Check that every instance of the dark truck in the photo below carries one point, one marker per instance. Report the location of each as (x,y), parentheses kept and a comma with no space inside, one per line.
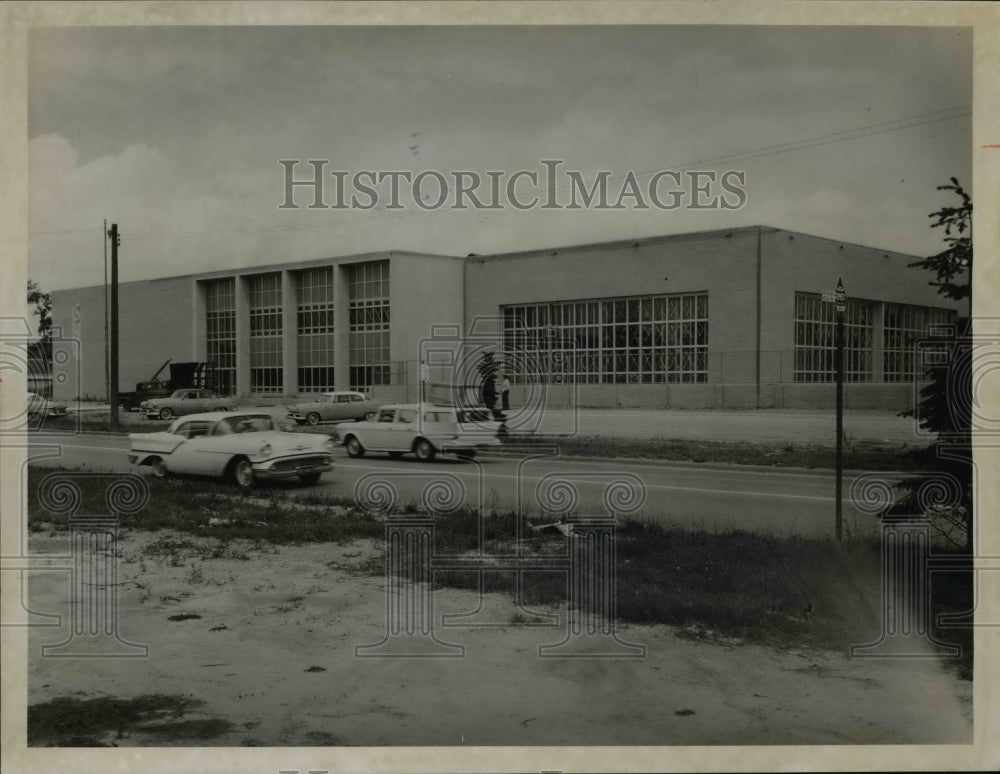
(182,376)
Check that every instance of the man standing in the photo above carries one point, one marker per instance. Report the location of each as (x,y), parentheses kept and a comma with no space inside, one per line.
(505,393)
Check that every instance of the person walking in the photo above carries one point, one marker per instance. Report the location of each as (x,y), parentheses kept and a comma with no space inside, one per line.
(505,393)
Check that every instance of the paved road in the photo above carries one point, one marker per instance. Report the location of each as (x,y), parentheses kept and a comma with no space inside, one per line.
(714,497)
(773,426)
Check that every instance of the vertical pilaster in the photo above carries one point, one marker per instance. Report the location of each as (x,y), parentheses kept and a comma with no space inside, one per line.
(242,336)
(289,333)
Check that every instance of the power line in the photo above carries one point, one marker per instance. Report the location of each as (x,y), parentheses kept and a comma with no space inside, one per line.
(908,122)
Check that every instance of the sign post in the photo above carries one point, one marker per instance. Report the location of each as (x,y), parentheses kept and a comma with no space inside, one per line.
(840,302)
(839,299)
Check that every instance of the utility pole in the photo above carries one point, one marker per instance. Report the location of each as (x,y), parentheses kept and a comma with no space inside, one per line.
(841,305)
(107,359)
(113,355)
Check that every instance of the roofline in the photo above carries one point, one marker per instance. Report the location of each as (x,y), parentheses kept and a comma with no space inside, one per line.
(268,268)
(684,236)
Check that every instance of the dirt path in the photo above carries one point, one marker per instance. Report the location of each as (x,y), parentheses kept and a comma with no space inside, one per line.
(270,661)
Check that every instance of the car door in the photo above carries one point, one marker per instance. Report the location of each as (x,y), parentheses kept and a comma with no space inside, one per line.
(199,453)
(188,403)
(339,407)
(377,434)
(404,430)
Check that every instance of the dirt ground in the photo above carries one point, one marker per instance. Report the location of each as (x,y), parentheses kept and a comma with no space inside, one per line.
(262,650)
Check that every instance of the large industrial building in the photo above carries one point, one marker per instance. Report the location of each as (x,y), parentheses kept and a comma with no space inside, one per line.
(721,319)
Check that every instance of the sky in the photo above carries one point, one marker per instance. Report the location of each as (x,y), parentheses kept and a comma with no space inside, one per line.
(176,134)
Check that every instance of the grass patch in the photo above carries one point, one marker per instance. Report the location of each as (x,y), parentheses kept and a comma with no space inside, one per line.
(73,722)
(777,590)
(857,456)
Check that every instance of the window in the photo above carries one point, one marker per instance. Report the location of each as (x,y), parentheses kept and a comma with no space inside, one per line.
(902,327)
(266,373)
(386,415)
(315,325)
(220,332)
(368,311)
(632,340)
(407,416)
(343,399)
(815,339)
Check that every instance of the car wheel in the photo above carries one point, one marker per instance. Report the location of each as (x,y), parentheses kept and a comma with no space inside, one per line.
(158,466)
(312,418)
(241,472)
(308,479)
(368,417)
(166,413)
(354,447)
(424,450)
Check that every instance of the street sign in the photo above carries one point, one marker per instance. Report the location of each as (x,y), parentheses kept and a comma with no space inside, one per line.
(841,296)
(829,296)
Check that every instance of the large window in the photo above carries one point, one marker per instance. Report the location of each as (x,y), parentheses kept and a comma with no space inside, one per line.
(635,340)
(368,309)
(902,326)
(265,333)
(315,330)
(815,339)
(220,332)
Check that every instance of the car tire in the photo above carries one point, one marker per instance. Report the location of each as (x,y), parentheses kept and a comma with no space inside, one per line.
(158,467)
(308,479)
(241,473)
(424,450)
(166,413)
(354,447)
(312,418)
(369,416)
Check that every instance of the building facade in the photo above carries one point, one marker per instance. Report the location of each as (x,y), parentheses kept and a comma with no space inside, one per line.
(721,319)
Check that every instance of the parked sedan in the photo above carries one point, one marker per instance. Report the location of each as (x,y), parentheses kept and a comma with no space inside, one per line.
(186,401)
(334,407)
(240,446)
(43,407)
(424,431)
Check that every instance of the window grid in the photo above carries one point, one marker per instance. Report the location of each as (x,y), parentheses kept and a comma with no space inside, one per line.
(368,316)
(220,332)
(315,323)
(632,340)
(902,326)
(816,339)
(266,375)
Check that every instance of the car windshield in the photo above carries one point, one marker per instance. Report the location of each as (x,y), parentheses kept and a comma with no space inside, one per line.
(178,393)
(247,423)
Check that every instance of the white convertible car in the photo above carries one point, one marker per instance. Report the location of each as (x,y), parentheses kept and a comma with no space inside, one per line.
(240,446)
(424,431)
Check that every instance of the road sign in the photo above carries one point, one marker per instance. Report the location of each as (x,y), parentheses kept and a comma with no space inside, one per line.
(841,296)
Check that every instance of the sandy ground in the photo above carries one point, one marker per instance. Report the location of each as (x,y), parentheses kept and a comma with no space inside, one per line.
(272,655)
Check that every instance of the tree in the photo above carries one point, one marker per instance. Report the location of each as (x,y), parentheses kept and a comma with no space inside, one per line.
(43,306)
(946,400)
(953,266)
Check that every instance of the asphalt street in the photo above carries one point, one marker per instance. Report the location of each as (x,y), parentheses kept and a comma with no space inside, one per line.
(706,496)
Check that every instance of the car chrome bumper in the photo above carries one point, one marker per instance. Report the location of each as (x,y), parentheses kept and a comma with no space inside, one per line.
(288,469)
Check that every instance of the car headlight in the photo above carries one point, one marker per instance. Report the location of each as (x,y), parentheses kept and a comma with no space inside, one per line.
(265,449)
(328,444)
